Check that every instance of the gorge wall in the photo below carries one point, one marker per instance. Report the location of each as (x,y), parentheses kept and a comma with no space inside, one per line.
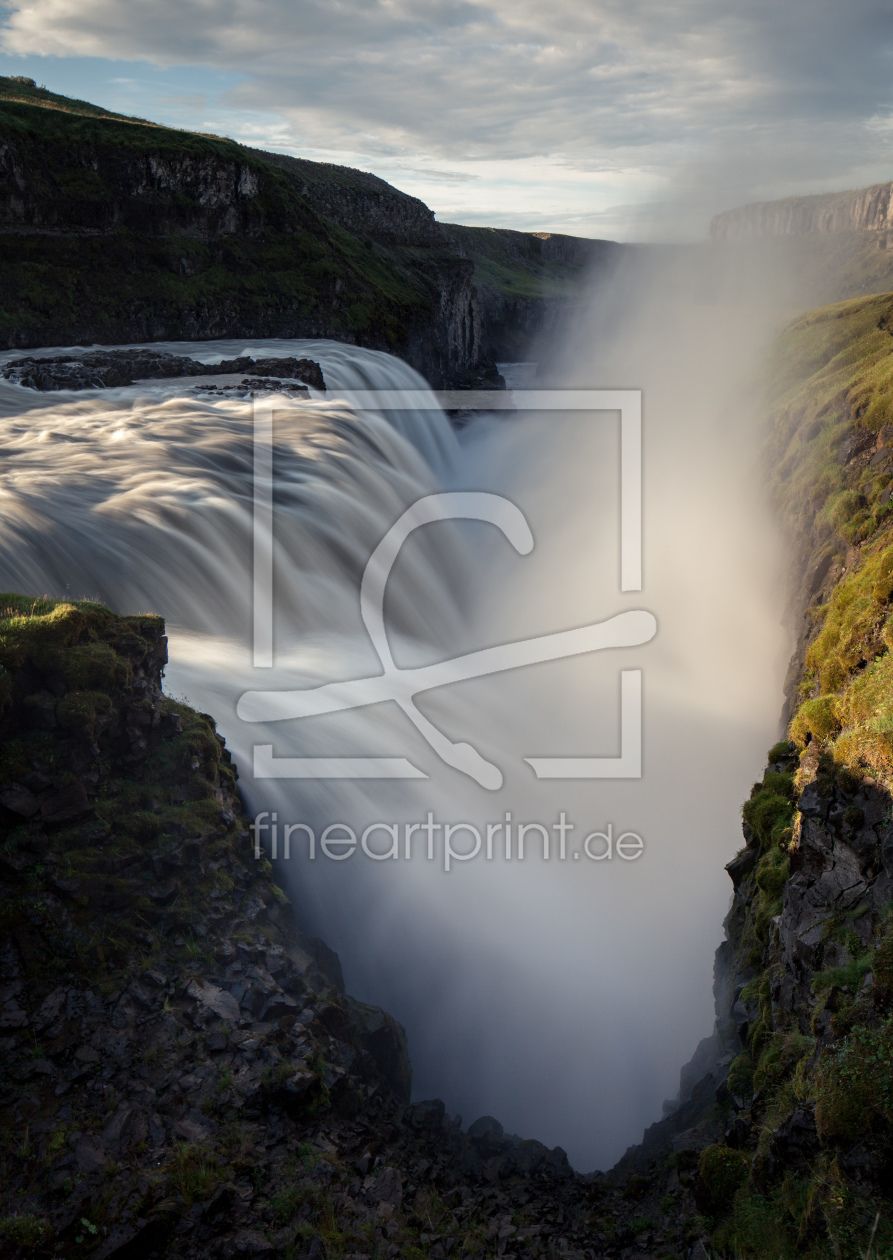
(786,1111)
(117,230)
(528,283)
(181,1072)
(859,210)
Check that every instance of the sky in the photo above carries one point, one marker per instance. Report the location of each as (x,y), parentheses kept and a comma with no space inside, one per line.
(628,119)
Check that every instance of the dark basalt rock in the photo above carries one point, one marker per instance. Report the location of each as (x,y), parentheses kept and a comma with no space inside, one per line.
(742,865)
(109,369)
(180,1066)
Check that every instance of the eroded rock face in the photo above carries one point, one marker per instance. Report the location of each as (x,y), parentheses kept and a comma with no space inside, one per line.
(180,1067)
(144,945)
(200,195)
(180,237)
(794,976)
(861,210)
(106,369)
(360,202)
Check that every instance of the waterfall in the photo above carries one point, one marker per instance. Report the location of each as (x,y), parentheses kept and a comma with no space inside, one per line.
(561,996)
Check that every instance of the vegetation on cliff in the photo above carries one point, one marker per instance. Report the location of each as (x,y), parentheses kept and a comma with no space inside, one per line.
(114,229)
(531,264)
(181,1072)
(805,1163)
(832,452)
(125,232)
(160,1014)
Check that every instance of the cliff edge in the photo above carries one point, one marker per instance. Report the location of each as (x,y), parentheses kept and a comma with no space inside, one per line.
(181,1072)
(115,230)
(786,1114)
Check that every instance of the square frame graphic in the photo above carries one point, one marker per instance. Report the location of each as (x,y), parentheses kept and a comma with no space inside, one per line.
(627,402)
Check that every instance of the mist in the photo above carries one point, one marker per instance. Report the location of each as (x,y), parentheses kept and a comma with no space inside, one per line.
(561,996)
(564,997)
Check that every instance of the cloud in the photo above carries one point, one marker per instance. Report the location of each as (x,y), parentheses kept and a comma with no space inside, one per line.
(194,101)
(438,177)
(752,100)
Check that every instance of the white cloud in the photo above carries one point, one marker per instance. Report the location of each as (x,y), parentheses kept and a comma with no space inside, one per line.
(635,94)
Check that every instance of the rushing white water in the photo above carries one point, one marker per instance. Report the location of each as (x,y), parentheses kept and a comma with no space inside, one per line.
(560,996)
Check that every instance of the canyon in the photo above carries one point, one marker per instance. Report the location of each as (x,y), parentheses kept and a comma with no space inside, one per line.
(183,1072)
(114,230)
(858,210)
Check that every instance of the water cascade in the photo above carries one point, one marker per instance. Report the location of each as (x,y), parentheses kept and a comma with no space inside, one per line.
(560,995)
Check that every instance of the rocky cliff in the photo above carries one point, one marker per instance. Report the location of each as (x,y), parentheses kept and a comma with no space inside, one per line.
(859,210)
(184,1076)
(181,1072)
(360,202)
(159,1012)
(116,230)
(528,283)
(788,1107)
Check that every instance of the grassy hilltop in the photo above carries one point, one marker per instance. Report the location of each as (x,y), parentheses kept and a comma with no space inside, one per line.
(108,252)
(117,229)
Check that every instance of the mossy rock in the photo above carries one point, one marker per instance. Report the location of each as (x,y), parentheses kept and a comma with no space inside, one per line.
(740,1079)
(768,813)
(772,874)
(854,1085)
(817,719)
(79,710)
(26,1230)
(780,752)
(723,1171)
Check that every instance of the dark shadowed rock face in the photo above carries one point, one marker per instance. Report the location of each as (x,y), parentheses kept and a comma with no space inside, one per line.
(803,983)
(106,369)
(200,196)
(787,1109)
(115,231)
(145,950)
(360,202)
(181,1072)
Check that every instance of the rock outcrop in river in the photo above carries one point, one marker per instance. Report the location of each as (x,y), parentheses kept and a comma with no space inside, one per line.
(108,369)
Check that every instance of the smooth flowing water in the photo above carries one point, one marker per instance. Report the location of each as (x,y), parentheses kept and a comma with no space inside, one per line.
(560,995)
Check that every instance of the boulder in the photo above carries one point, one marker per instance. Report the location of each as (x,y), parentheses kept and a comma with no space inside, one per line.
(214,999)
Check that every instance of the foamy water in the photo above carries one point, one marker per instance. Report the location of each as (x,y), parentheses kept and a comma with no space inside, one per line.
(561,996)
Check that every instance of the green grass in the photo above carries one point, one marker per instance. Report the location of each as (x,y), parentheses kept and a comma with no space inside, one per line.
(515,265)
(127,267)
(770,810)
(832,383)
(193,1171)
(25,91)
(830,365)
(27,1231)
(136,818)
(848,677)
(723,1172)
(832,378)
(854,1084)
